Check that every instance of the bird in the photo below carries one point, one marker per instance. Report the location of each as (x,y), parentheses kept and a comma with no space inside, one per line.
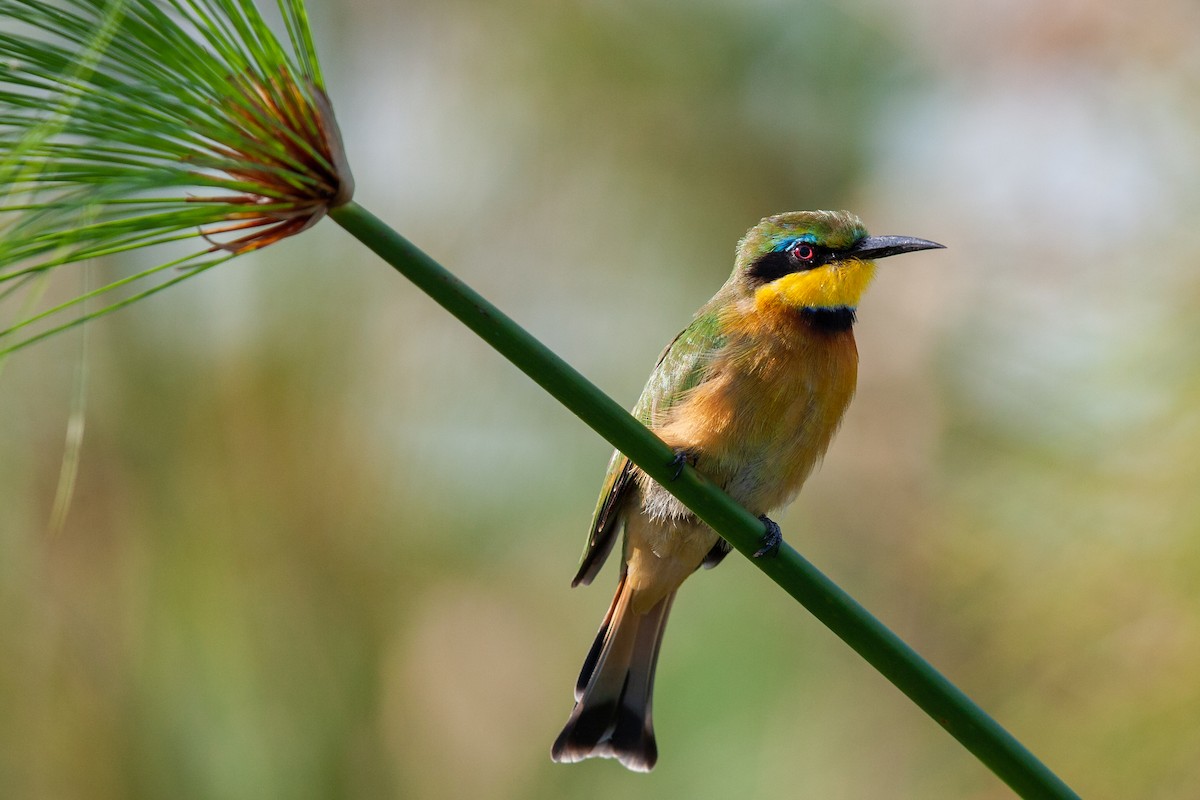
(750,394)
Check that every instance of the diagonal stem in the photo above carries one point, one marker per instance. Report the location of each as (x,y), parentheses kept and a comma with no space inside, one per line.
(870,638)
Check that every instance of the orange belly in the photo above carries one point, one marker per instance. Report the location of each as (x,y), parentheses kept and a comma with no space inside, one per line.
(769,408)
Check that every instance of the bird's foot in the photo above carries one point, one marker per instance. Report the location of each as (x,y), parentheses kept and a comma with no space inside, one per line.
(683,456)
(771,539)
(717,554)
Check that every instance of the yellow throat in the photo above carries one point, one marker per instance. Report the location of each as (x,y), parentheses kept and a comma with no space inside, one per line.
(837,285)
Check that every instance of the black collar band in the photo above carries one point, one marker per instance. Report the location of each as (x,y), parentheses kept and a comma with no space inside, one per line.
(829,320)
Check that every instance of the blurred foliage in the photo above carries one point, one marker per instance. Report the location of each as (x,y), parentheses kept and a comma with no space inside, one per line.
(322,537)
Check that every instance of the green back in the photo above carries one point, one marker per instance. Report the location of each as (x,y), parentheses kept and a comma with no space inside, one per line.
(682,366)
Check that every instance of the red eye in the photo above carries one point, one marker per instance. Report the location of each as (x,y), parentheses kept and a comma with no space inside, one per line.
(804,252)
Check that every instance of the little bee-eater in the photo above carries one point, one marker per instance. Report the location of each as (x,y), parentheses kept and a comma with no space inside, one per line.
(750,393)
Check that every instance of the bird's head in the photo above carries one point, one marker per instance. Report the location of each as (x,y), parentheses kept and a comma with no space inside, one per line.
(814,259)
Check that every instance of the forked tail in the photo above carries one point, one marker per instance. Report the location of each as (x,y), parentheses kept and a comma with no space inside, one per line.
(611,718)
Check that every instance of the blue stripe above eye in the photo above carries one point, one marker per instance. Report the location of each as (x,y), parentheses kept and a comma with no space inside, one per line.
(787,242)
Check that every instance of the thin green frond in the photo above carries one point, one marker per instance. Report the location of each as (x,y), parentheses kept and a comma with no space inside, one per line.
(126,124)
(194,267)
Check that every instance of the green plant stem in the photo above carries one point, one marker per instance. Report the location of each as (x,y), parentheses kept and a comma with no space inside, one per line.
(885,651)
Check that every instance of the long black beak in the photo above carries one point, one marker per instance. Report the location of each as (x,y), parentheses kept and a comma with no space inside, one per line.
(872,247)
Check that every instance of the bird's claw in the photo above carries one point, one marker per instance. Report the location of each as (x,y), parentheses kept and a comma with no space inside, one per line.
(682,456)
(771,539)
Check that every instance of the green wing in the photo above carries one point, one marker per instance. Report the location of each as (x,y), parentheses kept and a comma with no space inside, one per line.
(681,366)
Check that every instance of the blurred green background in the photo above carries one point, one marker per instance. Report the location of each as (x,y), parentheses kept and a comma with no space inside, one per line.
(322,536)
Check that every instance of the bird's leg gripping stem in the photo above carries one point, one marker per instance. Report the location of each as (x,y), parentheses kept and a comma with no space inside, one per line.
(683,456)
(771,539)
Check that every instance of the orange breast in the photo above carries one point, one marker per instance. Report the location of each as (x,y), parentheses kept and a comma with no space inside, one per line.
(770,406)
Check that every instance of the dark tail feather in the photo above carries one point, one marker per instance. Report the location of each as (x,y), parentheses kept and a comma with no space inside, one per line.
(613,697)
